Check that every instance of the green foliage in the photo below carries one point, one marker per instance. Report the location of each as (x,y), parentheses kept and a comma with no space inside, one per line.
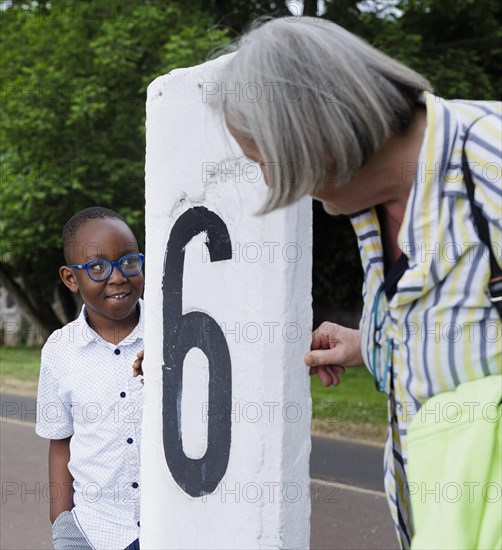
(354,400)
(19,363)
(74,87)
(456,45)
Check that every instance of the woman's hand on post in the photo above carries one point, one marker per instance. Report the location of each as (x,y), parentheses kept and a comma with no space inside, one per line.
(333,348)
(138,365)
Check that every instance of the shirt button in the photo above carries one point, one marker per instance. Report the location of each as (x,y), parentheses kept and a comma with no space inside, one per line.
(129,440)
(117,351)
(135,485)
(122,394)
(138,524)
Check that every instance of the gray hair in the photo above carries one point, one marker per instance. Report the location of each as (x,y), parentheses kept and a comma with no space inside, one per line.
(317,100)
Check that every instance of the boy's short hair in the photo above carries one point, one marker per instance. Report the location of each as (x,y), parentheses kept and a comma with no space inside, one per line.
(79,219)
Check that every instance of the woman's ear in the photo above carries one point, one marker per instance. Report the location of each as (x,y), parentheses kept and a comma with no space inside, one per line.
(68,278)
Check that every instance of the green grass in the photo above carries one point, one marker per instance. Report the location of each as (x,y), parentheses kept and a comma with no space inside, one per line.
(19,363)
(355,400)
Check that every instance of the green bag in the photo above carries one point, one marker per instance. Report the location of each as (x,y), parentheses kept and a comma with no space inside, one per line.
(455,468)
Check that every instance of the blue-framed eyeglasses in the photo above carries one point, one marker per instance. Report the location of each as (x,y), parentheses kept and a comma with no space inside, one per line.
(99,270)
(379,376)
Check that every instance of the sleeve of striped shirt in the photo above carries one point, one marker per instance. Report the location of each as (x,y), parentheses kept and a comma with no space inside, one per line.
(484,153)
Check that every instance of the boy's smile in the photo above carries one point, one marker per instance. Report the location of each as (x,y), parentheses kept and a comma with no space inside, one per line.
(110,304)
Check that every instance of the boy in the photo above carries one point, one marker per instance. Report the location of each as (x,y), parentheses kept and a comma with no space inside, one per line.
(89,403)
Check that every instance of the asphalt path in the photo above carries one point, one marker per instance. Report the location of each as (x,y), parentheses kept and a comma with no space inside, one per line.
(349,509)
(344,461)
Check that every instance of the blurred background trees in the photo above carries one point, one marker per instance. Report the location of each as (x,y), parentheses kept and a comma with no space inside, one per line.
(74,77)
(73,98)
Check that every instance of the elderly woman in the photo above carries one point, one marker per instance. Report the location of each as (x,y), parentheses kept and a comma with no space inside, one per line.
(327,115)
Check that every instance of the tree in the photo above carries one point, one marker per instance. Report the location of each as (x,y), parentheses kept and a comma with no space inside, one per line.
(75,75)
(460,47)
(74,79)
(236,15)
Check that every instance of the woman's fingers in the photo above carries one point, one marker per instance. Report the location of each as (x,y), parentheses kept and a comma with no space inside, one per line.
(337,369)
(325,377)
(334,344)
(323,335)
(323,357)
(330,375)
(335,372)
(327,354)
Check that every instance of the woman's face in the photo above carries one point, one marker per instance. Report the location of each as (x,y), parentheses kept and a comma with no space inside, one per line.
(336,200)
(251,151)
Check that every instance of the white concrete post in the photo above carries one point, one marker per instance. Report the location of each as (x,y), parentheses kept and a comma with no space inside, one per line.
(226,432)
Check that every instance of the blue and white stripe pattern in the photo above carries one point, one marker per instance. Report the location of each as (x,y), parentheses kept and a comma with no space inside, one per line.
(442,326)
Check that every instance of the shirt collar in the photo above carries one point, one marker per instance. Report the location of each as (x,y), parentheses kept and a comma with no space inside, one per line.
(84,334)
(417,237)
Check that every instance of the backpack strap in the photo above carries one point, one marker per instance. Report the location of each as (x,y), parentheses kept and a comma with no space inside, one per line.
(494,290)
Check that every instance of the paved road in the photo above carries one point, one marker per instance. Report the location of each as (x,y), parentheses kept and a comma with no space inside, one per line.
(344,515)
(24,521)
(331,459)
(347,462)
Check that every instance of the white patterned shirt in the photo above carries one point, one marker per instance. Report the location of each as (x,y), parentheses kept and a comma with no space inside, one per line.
(439,328)
(87,391)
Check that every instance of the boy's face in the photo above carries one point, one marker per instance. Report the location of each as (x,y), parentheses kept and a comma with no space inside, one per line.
(116,298)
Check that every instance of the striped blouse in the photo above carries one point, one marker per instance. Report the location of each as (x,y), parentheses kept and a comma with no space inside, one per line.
(439,328)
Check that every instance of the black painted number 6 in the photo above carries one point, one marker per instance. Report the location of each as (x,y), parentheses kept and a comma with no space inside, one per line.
(195,329)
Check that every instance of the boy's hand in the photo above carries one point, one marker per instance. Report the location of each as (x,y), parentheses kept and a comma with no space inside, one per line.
(333,348)
(138,365)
